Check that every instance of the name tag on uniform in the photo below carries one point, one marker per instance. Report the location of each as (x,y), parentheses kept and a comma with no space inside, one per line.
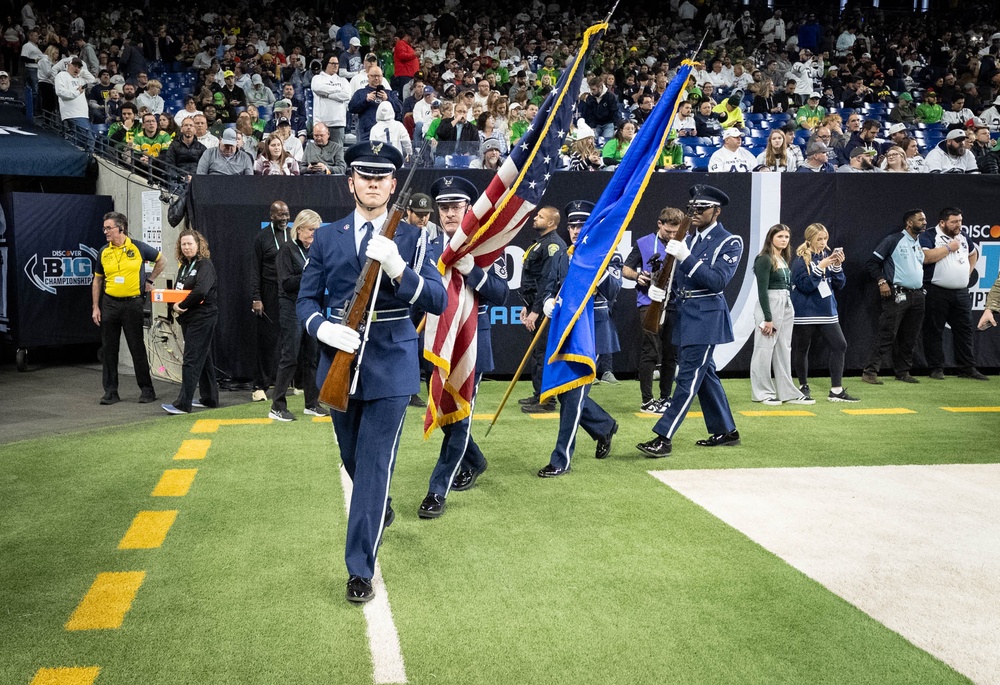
(120,280)
(824,289)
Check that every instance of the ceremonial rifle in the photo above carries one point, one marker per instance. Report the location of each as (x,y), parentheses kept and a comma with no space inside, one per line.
(663,279)
(337,386)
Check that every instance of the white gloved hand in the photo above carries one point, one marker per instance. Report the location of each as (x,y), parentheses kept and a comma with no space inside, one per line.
(549,307)
(465,264)
(384,251)
(678,249)
(657,294)
(339,336)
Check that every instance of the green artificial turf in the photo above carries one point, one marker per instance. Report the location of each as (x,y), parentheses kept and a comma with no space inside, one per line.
(602,576)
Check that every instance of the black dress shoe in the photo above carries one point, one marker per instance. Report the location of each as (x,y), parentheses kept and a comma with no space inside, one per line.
(604,444)
(721,440)
(528,400)
(906,378)
(390,516)
(110,398)
(539,408)
(359,590)
(656,448)
(466,479)
(416,401)
(432,507)
(550,471)
(147,396)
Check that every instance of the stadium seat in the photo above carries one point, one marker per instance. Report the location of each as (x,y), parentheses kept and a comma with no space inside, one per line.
(705,151)
(755,117)
(715,141)
(458,161)
(697,163)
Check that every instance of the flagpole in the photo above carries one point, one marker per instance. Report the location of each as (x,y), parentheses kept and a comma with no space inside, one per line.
(613,8)
(517,374)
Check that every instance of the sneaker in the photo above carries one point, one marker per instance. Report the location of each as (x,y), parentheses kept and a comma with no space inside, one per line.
(937,374)
(171,409)
(258,395)
(596,381)
(197,404)
(802,400)
(771,402)
(280,415)
(650,407)
(609,377)
(841,396)
(147,396)
(804,389)
(296,391)
(315,411)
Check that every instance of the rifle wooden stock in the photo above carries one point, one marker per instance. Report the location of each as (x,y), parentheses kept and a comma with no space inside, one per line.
(337,385)
(661,279)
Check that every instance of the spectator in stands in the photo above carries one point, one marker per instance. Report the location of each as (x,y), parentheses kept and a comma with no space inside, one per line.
(250,136)
(422,109)
(817,158)
(190,109)
(150,142)
(215,125)
(765,101)
(929,111)
(583,155)
(71,90)
(97,99)
(785,100)
(914,160)
(950,155)
(167,125)
(858,161)
(232,97)
(322,155)
(150,98)
(897,134)
(958,114)
(365,103)
(708,93)
(461,136)
(259,95)
(391,131)
(330,97)
(123,132)
(185,152)
(205,137)
(732,156)
(775,156)
(991,115)
(406,61)
(864,138)
(351,60)
(274,160)
(601,108)
(894,160)
(283,129)
(853,95)
(811,114)
(615,149)
(7,97)
(684,123)
(46,78)
(31,54)
(226,159)
(706,122)
(490,156)
(729,112)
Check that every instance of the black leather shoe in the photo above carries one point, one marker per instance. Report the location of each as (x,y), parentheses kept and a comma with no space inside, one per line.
(656,448)
(390,516)
(359,590)
(604,444)
(937,374)
(906,378)
(975,375)
(416,401)
(432,507)
(550,471)
(528,400)
(537,408)
(110,398)
(466,479)
(147,396)
(721,440)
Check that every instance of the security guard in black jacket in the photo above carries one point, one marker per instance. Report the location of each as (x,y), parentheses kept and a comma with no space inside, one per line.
(536,259)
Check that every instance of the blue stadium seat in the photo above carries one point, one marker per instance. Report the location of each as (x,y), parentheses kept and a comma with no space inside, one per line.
(759,133)
(754,117)
(458,161)
(705,151)
(708,140)
(696,163)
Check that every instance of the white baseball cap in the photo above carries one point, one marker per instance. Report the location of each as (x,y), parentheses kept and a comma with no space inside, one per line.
(732,133)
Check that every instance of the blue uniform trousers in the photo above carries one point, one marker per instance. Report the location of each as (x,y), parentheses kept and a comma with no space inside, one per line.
(696,376)
(368,433)
(458,450)
(577,410)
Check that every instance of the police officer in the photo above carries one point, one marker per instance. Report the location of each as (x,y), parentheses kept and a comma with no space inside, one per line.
(705,264)
(536,259)
(459,451)
(576,408)
(264,295)
(387,370)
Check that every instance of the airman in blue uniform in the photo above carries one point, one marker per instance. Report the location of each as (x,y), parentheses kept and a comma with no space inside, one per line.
(576,408)
(705,264)
(460,455)
(387,364)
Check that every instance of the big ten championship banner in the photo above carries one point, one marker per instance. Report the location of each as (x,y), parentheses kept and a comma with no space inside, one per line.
(52,244)
(857,211)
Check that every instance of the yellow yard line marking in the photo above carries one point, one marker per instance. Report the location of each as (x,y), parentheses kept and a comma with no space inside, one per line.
(322,419)
(972,410)
(878,412)
(107,601)
(692,414)
(66,676)
(541,417)
(148,530)
(482,417)
(174,483)
(193,449)
(212,425)
(795,412)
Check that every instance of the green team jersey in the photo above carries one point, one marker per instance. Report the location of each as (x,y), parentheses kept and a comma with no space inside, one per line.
(151,147)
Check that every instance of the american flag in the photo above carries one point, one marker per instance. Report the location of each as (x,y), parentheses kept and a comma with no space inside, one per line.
(494,220)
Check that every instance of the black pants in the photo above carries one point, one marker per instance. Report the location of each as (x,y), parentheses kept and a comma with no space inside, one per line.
(952,307)
(803,335)
(898,326)
(537,362)
(267,337)
(657,348)
(298,350)
(119,315)
(199,363)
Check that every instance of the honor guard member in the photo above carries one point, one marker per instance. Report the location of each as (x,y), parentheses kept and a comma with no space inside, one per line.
(704,266)
(120,276)
(264,295)
(388,369)
(535,263)
(418,213)
(576,408)
(460,455)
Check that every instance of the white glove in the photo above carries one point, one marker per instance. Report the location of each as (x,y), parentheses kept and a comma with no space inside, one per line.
(338,335)
(678,249)
(465,264)
(384,251)
(549,307)
(657,294)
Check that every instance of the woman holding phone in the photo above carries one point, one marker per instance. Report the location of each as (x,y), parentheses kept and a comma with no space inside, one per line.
(774,316)
(816,274)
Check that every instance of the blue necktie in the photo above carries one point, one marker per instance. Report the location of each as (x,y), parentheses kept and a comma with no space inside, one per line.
(366,234)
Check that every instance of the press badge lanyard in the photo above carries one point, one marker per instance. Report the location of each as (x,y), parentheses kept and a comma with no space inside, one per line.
(184,273)
(275,236)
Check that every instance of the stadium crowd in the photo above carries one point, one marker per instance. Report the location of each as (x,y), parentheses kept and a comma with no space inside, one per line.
(795,90)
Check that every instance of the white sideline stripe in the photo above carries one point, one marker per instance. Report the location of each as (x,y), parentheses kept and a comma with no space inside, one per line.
(383,639)
(914,547)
